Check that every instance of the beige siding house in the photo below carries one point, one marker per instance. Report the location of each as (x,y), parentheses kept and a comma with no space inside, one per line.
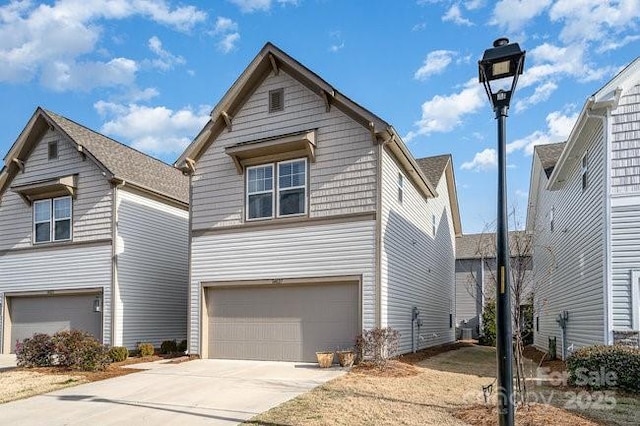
(93,236)
(584,201)
(310,221)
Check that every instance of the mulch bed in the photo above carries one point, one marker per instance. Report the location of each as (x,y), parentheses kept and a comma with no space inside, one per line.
(393,368)
(532,415)
(422,354)
(542,359)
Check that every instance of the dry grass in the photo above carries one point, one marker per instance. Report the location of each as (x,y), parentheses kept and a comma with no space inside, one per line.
(445,389)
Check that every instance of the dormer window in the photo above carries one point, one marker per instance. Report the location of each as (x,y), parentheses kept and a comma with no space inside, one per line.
(52,152)
(276,100)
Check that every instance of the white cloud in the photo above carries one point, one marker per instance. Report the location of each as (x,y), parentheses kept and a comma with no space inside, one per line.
(559,126)
(165,60)
(522,193)
(154,130)
(484,160)
(444,113)
(474,4)
(615,43)
(224,25)
(52,42)
(435,63)
(540,94)
(336,47)
(419,27)
(250,6)
(228,42)
(513,15)
(454,14)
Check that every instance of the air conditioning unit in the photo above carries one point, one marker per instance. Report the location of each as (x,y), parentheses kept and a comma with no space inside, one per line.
(467,333)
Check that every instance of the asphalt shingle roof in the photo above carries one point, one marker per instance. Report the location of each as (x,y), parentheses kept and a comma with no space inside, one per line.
(549,155)
(476,246)
(433,167)
(126,163)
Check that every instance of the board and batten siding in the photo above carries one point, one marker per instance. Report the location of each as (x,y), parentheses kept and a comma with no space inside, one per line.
(305,251)
(569,263)
(417,267)
(625,144)
(91,206)
(152,271)
(70,268)
(342,180)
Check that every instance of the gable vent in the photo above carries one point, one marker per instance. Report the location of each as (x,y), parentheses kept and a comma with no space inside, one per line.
(276,100)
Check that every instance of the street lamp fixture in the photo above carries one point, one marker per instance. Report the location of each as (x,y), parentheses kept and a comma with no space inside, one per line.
(501,65)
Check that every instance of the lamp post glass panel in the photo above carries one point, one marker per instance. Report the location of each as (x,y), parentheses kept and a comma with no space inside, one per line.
(498,72)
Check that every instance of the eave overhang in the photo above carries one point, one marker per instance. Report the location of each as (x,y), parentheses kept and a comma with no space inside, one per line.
(48,188)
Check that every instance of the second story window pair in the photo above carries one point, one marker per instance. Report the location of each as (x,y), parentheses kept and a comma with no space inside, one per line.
(52,220)
(276,189)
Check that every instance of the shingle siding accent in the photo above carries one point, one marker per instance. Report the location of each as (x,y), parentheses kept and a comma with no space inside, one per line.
(625,143)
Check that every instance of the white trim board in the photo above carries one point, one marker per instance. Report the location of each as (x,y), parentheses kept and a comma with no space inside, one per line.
(635,298)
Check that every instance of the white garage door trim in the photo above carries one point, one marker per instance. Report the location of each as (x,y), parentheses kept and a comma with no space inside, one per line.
(298,281)
(6,306)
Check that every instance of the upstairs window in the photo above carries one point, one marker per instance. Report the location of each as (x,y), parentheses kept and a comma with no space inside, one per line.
(585,169)
(52,220)
(400,187)
(52,151)
(277,189)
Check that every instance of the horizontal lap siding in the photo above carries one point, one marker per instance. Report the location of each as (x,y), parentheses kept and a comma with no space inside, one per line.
(306,251)
(153,270)
(67,269)
(625,257)
(342,179)
(417,267)
(625,144)
(468,291)
(568,263)
(91,206)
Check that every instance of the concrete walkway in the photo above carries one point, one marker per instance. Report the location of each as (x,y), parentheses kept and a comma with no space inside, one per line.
(7,361)
(212,392)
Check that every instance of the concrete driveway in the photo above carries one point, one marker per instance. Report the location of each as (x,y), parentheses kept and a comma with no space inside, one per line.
(212,392)
(7,361)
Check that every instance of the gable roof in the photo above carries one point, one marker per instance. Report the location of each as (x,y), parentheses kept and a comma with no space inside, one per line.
(434,168)
(549,155)
(478,246)
(121,163)
(272,59)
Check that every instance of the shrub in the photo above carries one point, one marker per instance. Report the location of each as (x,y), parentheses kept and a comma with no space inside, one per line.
(378,344)
(145,349)
(35,351)
(79,350)
(488,335)
(169,347)
(182,346)
(118,353)
(601,367)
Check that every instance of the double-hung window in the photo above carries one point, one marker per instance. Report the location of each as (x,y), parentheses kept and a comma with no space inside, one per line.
(52,220)
(277,189)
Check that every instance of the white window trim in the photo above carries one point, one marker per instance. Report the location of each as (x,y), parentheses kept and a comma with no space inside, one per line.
(635,299)
(275,190)
(52,221)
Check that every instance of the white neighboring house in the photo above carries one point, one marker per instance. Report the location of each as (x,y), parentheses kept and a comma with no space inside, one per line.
(310,220)
(584,213)
(93,236)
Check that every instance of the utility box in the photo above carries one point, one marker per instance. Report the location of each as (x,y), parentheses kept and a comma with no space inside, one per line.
(467,334)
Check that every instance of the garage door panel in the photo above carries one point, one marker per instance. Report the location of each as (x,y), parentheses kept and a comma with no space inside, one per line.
(49,314)
(286,323)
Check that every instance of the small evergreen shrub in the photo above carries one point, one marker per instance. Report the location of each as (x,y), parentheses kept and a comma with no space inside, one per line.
(169,347)
(35,351)
(603,367)
(145,349)
(182,346)
(488,335)
(118,353)
(79,350)
(378,344)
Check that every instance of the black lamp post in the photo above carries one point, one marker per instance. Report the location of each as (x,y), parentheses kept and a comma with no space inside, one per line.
(502,65)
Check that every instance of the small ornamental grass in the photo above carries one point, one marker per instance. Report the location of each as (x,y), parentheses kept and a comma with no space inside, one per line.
(603,367)
(118,353)
(145,349)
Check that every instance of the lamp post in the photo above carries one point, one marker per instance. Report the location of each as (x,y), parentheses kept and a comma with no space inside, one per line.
(502,65)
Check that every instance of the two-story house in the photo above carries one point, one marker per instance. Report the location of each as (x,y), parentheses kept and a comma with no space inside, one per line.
(93,236)
(310,220)
(584,215)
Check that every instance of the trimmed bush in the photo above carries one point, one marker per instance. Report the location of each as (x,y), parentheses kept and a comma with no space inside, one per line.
(169,347)
(145,349)
(79,350)
(603,367)
(118,353)
(182,346)
(378,344)
(35,351)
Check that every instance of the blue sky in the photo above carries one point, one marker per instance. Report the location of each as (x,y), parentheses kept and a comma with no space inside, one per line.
(148,72)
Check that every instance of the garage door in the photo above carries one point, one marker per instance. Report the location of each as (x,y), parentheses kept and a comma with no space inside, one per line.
(48,314)
(288,323)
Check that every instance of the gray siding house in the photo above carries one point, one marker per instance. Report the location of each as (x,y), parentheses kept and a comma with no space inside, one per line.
(476,276)
(93,236)
(584,214)
(310,220)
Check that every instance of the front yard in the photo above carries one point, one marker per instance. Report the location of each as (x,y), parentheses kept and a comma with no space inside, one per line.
(445,389)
